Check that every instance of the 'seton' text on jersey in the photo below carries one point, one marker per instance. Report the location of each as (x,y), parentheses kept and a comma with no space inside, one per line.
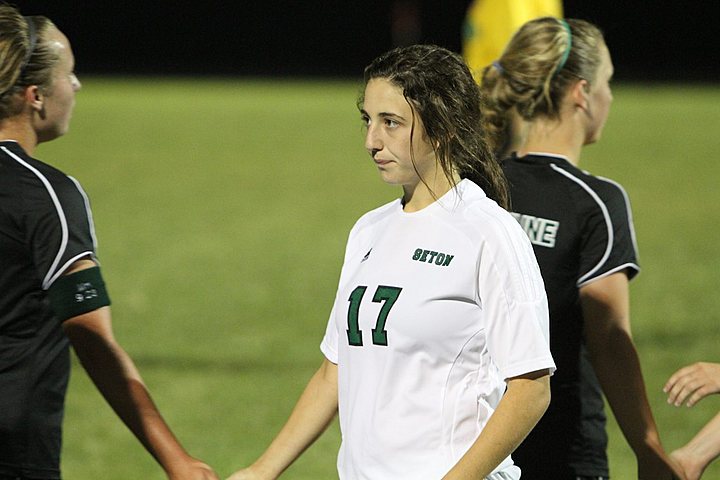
(429,256)
(541,231)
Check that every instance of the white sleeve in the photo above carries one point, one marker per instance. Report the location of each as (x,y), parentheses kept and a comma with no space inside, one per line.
(329,344)
(514,303)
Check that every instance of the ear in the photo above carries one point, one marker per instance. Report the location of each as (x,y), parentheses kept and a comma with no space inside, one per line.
(34,97)
(579,93)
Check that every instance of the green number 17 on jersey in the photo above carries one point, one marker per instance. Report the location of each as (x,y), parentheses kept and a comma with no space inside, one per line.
(389,296)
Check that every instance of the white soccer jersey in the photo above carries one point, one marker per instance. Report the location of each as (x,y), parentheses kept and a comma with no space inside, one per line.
(434,310)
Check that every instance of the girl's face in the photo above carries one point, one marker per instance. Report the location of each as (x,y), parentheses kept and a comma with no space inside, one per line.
(394,130)
(59,100)
(599,97)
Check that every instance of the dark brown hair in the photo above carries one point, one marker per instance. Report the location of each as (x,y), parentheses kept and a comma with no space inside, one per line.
(440,88)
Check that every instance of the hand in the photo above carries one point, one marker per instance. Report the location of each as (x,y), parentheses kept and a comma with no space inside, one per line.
(692,466)
(692,383)
(669,470)
(194,470)
(654,464)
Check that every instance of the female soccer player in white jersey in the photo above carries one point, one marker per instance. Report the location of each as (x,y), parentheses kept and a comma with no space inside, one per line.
(548,96)
(436,351)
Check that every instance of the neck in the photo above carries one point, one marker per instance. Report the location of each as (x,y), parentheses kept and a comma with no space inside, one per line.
(560,137)
(21,132)
(420,195)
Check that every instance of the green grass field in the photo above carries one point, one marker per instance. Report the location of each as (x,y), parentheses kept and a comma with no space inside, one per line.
(222,209)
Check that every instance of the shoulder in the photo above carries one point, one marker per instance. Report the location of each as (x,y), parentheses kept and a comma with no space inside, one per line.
(35,171)
(594,185)
(36,184)
(375,217)
(482,215)
(486,225)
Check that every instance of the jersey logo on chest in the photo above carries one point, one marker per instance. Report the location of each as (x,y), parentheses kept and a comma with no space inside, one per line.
(431,256)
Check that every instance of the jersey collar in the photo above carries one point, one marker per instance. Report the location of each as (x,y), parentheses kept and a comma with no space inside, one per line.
(541,157)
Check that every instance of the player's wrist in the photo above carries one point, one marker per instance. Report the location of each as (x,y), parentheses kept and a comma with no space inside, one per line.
(651,453)
(261,469)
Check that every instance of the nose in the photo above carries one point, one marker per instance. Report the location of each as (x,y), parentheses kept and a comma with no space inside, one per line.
(373,143)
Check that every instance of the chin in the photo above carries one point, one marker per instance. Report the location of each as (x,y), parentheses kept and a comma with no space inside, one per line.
(593,138)
(49,135)
(388,178)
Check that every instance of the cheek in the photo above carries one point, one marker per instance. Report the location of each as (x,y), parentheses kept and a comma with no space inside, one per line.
(607,97)
(422,148)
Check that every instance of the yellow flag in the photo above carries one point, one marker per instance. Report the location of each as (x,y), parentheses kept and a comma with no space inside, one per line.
(489,25)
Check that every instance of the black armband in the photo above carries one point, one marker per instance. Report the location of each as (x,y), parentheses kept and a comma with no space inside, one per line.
(80,292)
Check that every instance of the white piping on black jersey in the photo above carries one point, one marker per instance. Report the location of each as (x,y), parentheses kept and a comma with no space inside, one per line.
(86,201)
(606,215)
(54,272)
(631,224)
(617,269)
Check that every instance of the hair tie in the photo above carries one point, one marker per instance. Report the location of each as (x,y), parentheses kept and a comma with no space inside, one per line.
(499,67)
(565,56)
(32,35)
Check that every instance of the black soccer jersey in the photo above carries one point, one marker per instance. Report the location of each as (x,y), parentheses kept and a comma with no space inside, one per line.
(45,226)
(581,230)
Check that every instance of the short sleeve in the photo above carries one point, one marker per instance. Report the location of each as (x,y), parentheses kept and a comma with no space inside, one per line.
(329,344)
(58,223)
(514,305)
(608,242)
(358,246)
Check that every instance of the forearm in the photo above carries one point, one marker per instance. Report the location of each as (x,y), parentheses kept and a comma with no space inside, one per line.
(705,446)
(616,363)
(313,412)
(606,308)
(625,392)
(118,380)
(522,406)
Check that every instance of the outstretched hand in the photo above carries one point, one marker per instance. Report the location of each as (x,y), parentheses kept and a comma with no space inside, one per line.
(692,383)
(655,464)
(691,465)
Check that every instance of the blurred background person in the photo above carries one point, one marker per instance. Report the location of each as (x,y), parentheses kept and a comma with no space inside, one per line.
(489,24)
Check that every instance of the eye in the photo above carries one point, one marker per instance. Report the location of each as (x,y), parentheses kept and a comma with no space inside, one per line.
(390,123)
(365,119)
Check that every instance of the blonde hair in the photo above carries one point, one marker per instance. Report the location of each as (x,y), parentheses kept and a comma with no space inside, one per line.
(24,60)
(542,60)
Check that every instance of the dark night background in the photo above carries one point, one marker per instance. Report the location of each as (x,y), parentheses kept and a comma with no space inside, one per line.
(649,40)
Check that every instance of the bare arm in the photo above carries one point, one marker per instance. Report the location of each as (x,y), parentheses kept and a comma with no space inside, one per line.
(313,412)
(114,374)
(525,401)
(606,309)
(700,451)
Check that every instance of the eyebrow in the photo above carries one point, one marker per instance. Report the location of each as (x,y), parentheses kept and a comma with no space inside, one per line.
(384,115)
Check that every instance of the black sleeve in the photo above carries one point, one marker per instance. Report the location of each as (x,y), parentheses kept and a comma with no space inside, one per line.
(608,238)
(58,223)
